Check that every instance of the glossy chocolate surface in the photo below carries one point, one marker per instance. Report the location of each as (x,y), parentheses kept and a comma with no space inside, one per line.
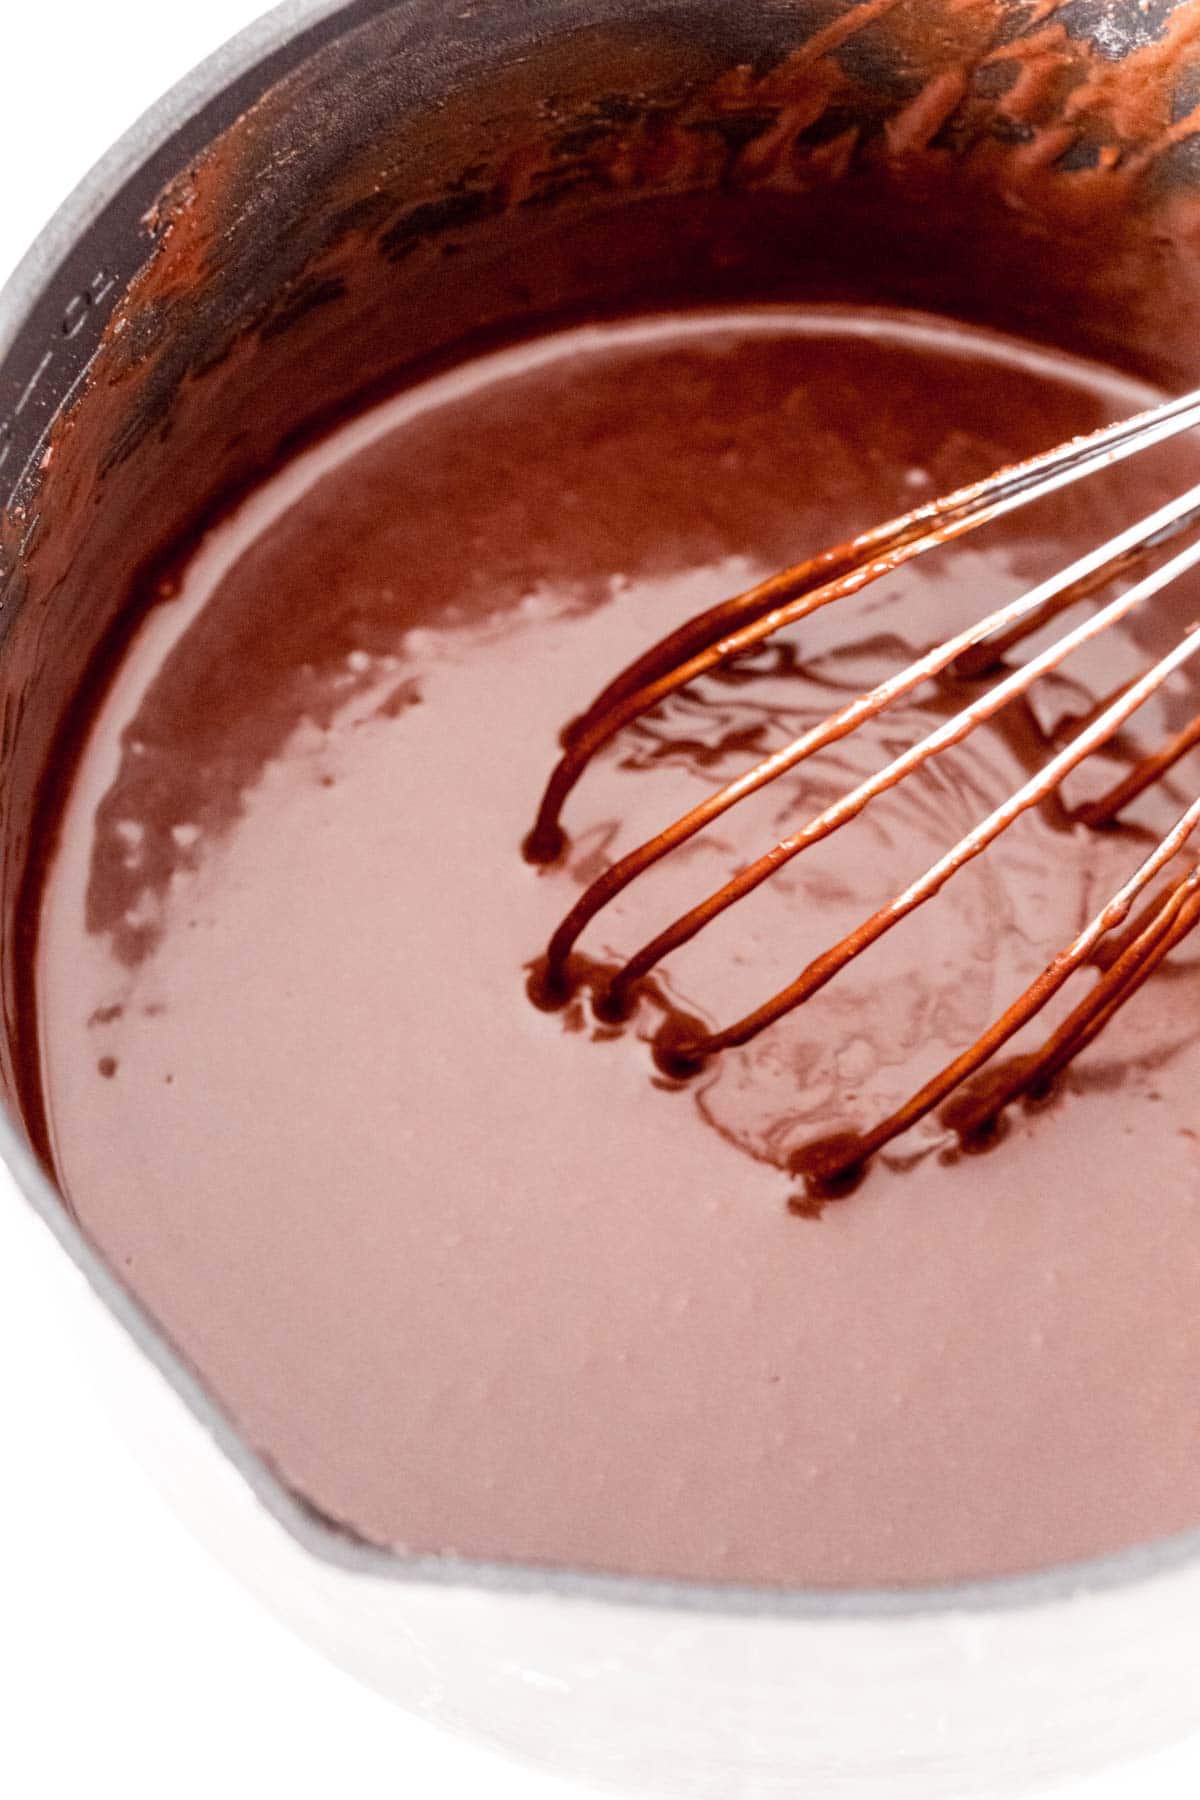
(468,1276)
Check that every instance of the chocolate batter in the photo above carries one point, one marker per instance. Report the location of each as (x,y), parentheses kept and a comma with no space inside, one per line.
(474,1276)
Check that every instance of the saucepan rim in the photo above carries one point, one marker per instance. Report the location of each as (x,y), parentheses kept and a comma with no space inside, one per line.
(281,38)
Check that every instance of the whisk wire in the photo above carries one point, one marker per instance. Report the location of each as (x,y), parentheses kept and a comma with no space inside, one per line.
(736,626)
(1081,579)
(829,1160)
(739,624)
(953,731)
(824,967)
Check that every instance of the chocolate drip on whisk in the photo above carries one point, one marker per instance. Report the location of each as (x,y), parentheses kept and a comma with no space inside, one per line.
(739,624)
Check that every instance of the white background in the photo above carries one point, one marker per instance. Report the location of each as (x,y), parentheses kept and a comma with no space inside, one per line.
(129,1662)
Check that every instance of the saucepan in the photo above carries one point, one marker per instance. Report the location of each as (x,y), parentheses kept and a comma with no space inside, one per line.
(352,190)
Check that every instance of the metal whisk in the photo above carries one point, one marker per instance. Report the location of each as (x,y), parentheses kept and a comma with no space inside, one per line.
(1137,940)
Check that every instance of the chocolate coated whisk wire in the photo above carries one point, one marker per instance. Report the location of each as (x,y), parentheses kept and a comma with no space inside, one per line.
(737,625)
